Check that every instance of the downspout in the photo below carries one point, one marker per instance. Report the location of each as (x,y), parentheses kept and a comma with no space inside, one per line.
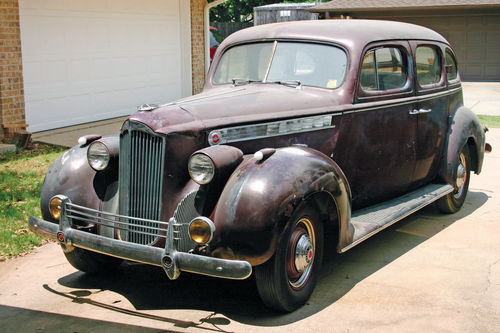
(206,24)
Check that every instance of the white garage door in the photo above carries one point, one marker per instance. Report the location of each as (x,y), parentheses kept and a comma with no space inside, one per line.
(91,60)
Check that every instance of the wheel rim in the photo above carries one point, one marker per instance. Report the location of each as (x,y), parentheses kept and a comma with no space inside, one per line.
(301,253)
(461,176)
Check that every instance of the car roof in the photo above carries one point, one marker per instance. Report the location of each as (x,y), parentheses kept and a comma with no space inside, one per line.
(346,32)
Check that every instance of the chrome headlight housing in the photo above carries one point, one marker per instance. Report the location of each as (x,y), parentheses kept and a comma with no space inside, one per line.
(98,156)
(201,168)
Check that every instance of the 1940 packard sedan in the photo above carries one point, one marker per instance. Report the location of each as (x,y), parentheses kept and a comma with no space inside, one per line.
(345,126)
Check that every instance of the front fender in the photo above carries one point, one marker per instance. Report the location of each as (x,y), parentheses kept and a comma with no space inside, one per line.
(72,176)
(260,196)
(464,127)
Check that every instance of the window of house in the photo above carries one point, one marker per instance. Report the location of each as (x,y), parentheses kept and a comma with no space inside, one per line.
(383,69)
(428,65)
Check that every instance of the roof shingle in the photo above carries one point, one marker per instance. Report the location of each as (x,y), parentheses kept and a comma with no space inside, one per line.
(346,5)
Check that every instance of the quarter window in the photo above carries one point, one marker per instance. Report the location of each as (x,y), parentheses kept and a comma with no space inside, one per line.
(383,69)
(428,65)
(451,66)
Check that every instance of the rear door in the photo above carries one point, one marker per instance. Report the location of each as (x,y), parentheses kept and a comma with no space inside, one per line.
(432,108)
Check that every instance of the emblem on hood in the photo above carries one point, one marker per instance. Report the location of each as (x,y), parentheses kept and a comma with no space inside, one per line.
(147,107)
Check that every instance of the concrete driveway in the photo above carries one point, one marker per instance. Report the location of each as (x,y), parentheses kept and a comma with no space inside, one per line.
(428,273)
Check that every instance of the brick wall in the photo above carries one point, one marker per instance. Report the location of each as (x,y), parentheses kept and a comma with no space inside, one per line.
(197,44)
(11,74)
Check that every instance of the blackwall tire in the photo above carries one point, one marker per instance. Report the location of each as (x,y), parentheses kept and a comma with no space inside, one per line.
(287,280)
(452,202)
(92,262)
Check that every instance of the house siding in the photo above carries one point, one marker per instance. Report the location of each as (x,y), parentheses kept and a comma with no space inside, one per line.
(12,104)
(11,78)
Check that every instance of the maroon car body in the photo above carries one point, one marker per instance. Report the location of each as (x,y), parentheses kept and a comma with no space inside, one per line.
(346,125)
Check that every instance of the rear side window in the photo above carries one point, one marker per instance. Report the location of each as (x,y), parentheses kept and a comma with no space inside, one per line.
(451,67)
(428,65)
(383,69)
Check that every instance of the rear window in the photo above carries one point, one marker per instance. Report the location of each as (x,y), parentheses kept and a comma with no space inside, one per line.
(451,67)
(428,65)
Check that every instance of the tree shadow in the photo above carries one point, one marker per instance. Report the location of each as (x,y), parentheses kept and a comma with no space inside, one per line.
(148,288)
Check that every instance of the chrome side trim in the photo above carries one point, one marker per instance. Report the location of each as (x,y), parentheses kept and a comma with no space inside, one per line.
(408,100)
(271,129)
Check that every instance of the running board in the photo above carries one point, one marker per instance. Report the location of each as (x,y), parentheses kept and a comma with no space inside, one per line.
(369,221)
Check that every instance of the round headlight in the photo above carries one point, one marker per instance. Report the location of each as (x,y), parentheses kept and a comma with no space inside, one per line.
(98,156)
(201,230)
(201,168)
(55,205)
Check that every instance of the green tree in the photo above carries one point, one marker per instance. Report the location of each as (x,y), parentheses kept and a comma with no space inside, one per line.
(241,10)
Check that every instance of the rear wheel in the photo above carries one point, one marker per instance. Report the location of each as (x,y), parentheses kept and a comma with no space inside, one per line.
(286,281)
(92,262)
(452,202)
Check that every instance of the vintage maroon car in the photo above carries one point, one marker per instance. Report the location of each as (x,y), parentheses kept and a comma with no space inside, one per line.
(344,126)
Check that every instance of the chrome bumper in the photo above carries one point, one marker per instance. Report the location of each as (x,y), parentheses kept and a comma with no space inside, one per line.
(172,261)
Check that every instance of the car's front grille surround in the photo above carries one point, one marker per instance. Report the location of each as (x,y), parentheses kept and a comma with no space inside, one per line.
(141,162)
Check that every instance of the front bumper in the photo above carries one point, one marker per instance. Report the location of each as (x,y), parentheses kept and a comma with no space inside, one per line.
(172,261)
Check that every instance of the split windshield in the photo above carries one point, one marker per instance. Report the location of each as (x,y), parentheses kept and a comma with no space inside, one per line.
(308,64)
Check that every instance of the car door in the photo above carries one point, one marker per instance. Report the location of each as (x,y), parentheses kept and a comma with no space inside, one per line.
(378,136)
(432,108)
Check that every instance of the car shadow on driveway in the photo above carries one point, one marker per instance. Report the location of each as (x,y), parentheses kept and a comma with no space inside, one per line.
(148,288)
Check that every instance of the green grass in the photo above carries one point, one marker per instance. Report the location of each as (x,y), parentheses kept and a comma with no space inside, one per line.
(490,121)
(21,178)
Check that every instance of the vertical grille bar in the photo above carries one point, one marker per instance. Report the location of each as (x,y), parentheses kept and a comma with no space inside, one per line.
(141,175)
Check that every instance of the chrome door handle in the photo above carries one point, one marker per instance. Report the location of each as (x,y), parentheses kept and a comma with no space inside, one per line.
(415,111)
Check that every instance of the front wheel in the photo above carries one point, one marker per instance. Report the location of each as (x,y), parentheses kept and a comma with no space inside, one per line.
(286,281)
(91,262)
(452,202)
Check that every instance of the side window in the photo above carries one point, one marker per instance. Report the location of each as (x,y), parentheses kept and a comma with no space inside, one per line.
(451,67)
(428,65)
(383,69)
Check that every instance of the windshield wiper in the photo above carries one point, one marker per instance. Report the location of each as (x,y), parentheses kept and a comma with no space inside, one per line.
(288,83)
(240,82)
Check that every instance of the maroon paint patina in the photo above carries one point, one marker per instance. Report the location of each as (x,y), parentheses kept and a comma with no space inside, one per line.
(374,147)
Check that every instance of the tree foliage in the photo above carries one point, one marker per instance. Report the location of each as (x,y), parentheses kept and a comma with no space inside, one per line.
(241,10)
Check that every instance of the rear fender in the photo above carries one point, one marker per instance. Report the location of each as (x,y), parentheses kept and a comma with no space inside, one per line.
(261,195)
(465,128)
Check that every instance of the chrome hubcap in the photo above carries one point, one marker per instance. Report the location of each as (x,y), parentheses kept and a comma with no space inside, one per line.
(461,176)
(303,253)
(301,250)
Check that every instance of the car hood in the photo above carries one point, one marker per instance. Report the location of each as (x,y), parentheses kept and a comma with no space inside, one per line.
(228,106)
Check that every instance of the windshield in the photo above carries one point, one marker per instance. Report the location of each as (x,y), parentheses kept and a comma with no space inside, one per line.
(317,65)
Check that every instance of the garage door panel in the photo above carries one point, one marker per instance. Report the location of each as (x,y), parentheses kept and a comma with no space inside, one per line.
(117,54)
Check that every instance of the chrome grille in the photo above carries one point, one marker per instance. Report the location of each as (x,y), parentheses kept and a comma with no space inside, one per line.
(142,156)
(184,213)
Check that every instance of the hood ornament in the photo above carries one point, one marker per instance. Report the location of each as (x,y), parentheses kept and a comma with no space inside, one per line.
(147,107)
